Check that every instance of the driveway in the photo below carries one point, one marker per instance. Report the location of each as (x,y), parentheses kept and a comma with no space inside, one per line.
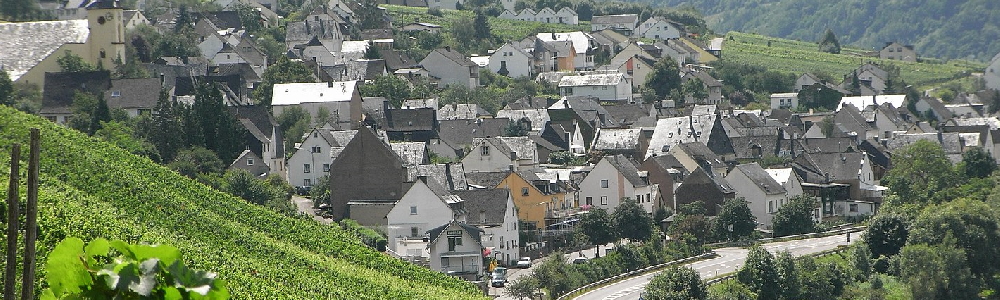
(305,205)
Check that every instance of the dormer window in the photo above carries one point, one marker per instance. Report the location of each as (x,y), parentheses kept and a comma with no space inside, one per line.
(116,93)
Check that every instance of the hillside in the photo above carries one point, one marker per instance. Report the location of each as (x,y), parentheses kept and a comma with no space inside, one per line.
(505,30)
(90,189)
(799,57)
(943,29)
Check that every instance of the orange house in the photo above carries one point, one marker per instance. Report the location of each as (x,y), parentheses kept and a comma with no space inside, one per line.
(533,197)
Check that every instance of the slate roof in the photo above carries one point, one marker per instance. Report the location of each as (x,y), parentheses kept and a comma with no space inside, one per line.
(395,60)
(708,80)
(671,132)
(827,145)
(420,103)
(412,153)
(57,97)
(472,230)
(492,203)
(840,166)
(455,56)
(667,161)
(420,119)
(699,177)
(133,93)
(860,102)
(450,176)
(528,103)
(458,111)
(26,44)
(372,108)
(617,139)
(537,117)
(629,113)
(487,180)
(991,122)
(522,145)
(761,178)
(462,132)
(613,19)
(627,168)
(588,109)
(224,19)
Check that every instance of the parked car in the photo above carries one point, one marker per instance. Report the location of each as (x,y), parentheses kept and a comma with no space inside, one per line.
(524,262)
(579,260)
(499,277)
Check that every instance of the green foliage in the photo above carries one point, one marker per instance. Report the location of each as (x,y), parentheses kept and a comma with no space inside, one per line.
(598,227)
(218,129)
(283,71)
(759,274)
(821,280)
(886,234)
(970,224)
(829,43)
(196,160)
(391,87)
(273,194)
(795,217)
(368,236)
(6,89)
(735,221)
(123,136)
(676,283)
(516,128)
(21,10)
(937,272)
(368,15)
(742,76)
(524,287)
(695,88)
(919,171)
(818,96)
(90,189)
(731,290)
(861,260)
(665,78)
(117,270)
(632,221)
(788,275)
(976,163)
(566,158)
(296,122)
(84,108)
(70,62)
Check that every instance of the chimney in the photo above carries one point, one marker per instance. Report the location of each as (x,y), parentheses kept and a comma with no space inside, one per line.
(451,180)
(329,84)
(447,48)
(162,79)
(553,36)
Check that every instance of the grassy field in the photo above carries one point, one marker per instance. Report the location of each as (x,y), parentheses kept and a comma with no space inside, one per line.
(799,57)
(507,30)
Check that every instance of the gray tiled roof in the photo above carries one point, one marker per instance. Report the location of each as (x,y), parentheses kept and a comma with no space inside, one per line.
(613,19)
(412,153)
(457,111)
(450,176)
(490,203)
(537,117)
(627,168)
(522,145)
(26,44)
(140,93)
(57,97)
(760,177)
(840,166)
(617,139)
(476,233)
(486,179)
(671,132)
(462,132)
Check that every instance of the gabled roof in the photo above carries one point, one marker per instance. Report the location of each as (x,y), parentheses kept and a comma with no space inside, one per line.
(26,44)
(630,113)
(395,60)
(457,111)
(581,40)
(627,168)
(528,103)
(298,93)
(140,93)
(489,203)
(667,161)
(699,178)
(57,97)
(451,176)
(617,139)
(487,180)
(840,166)
(537,117)
(472,230)
(588,109)
(454,56)
(761,178)
(591,80)
(412,153)
(614,19)
(860,102)
(420,119)
(462,132)
(671,132)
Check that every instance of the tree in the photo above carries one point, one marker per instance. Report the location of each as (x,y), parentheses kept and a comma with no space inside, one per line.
(968,224)
(283,71)
(886,234)
(166,132)
(632,221)
(759,274)
(731,290)
(373,53)
(369,15)
(695,88)
(391,87)
(829,43)
(735,221)
(676,283)
(242,184)
(295,121)
(70,62)
(18,10)
(6,89)
(84,105)
(124,137)
(788,274)
(861,260)
(524,287)
(977,163)
(196,160)
(665,78)
(919,172)
(937,272)
(516,128)
(596,224)
(819,96)
(824,281)
(481,27)
(795,217)
(101,114)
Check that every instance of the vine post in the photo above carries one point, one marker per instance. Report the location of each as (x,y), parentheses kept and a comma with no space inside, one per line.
(31,219)
(13,212)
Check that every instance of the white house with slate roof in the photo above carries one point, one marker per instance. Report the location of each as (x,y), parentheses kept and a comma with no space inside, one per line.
(341,99)
(424,206)
(583,43)
(493,211)
(315,154)
(625,23)
(606,87)
(763,194)
(457,249)
(658,28)
(511,61)
(452,67)
(613,179)
(495,154)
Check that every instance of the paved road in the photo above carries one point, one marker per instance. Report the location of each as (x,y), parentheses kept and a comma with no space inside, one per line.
(305,205)
(514,274)
(729,260)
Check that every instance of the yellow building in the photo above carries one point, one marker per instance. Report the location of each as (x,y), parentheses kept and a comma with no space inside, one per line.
(35,47)
(533,197)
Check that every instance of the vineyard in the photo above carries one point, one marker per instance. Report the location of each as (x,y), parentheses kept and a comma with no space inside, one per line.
(507,30)
(799,57)
(89,189)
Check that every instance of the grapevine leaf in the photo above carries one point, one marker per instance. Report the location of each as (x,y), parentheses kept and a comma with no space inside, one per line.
(66,272)
(97,247)
(47,295)
(124,248)
(171,293)
(166,254)
(190,280)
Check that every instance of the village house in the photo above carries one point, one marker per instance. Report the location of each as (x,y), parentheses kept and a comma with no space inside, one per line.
(134,96)
(511,61)
(263,137)
(424,206)
(897,51)
(496,154)
(421,26)
(341,100)
(612,180)
(606,87)
(567,135)
(713,87)
(495,212)
(785,101)
(764,195)
(627,142)
(457,249)
(60,88)
(250,162)
(666,173)
(710,190)
(625,23)
(583,46)
(316,154)
(658,28)
(368,176)
(451,67)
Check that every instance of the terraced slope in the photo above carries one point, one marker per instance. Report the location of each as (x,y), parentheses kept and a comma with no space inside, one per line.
(91,189)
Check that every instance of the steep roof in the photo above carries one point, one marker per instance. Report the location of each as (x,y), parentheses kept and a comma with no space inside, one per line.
(420,119)
(451,176)
(412,153)
(133,93)
(614,19)
(591,80)
(298,93)
(454,56)
(537,117)
(26,44)
(491,204)
(840,166)
(57,97)
(581,40)
(463,132)
(475,232)
(670,132)
(667,161)
(617,139)
(627,168)
(458,111)
(761,178)
(487,180)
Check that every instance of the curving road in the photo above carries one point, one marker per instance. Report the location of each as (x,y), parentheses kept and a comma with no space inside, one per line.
(729,260)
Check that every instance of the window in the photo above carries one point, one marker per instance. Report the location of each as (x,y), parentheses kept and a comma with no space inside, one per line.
(305,168)
(116,93)
(454,239)
(484,150)
(604,200)
(853,207)
(604,183)
(568,91)
(326,167)
(770,206)
(604,88)
(524,191)
(307,182)
(413,210)
(316,149)
(249,161)
(590,201)
(414,231)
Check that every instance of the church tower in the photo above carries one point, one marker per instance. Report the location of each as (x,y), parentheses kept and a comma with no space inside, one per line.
(107,33)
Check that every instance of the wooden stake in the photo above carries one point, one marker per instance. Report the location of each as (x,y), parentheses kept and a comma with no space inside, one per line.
(31,219)
(13,212)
